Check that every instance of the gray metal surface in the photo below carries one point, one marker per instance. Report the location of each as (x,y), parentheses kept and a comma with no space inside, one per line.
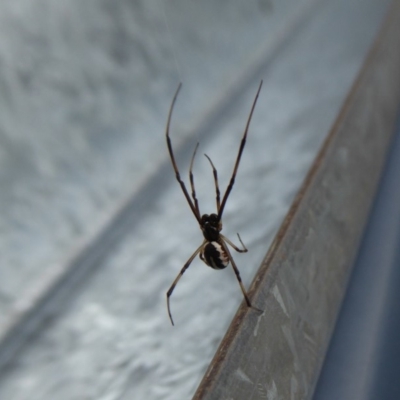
(84,113)
(86,87)
(300,285)
(93,226)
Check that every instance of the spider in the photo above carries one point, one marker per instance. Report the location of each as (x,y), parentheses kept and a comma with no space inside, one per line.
(214,251)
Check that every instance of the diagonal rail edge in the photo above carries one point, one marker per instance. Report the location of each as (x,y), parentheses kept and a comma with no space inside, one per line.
(288,367)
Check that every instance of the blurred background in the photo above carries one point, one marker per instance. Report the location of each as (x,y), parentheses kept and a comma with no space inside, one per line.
(93,226)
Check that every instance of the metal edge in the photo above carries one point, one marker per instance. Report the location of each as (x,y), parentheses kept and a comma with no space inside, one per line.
(371,103)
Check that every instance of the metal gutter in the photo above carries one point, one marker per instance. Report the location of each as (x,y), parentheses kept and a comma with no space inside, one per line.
(303,278)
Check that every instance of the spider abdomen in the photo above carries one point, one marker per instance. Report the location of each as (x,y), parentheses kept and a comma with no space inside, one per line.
(214,255)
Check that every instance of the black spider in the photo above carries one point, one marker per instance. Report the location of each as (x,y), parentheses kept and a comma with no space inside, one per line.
(214,250)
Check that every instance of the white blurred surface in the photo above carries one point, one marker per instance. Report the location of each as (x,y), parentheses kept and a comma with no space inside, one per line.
(86,88)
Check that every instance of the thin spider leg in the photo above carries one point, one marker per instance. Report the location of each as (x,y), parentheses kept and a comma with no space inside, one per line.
(244,250)
(216,183)
(237,273)
(196,203)
(174,165)
(185,267)
(244,247)
(242,144)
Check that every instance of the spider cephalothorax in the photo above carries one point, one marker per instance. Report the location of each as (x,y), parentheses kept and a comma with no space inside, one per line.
(211,227)
(214,250)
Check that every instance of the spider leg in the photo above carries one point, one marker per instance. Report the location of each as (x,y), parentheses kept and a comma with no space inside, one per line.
(242,144)
(174,283)
(216,183)
(196,203)
(237,273)
(174,165)
(244,250)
